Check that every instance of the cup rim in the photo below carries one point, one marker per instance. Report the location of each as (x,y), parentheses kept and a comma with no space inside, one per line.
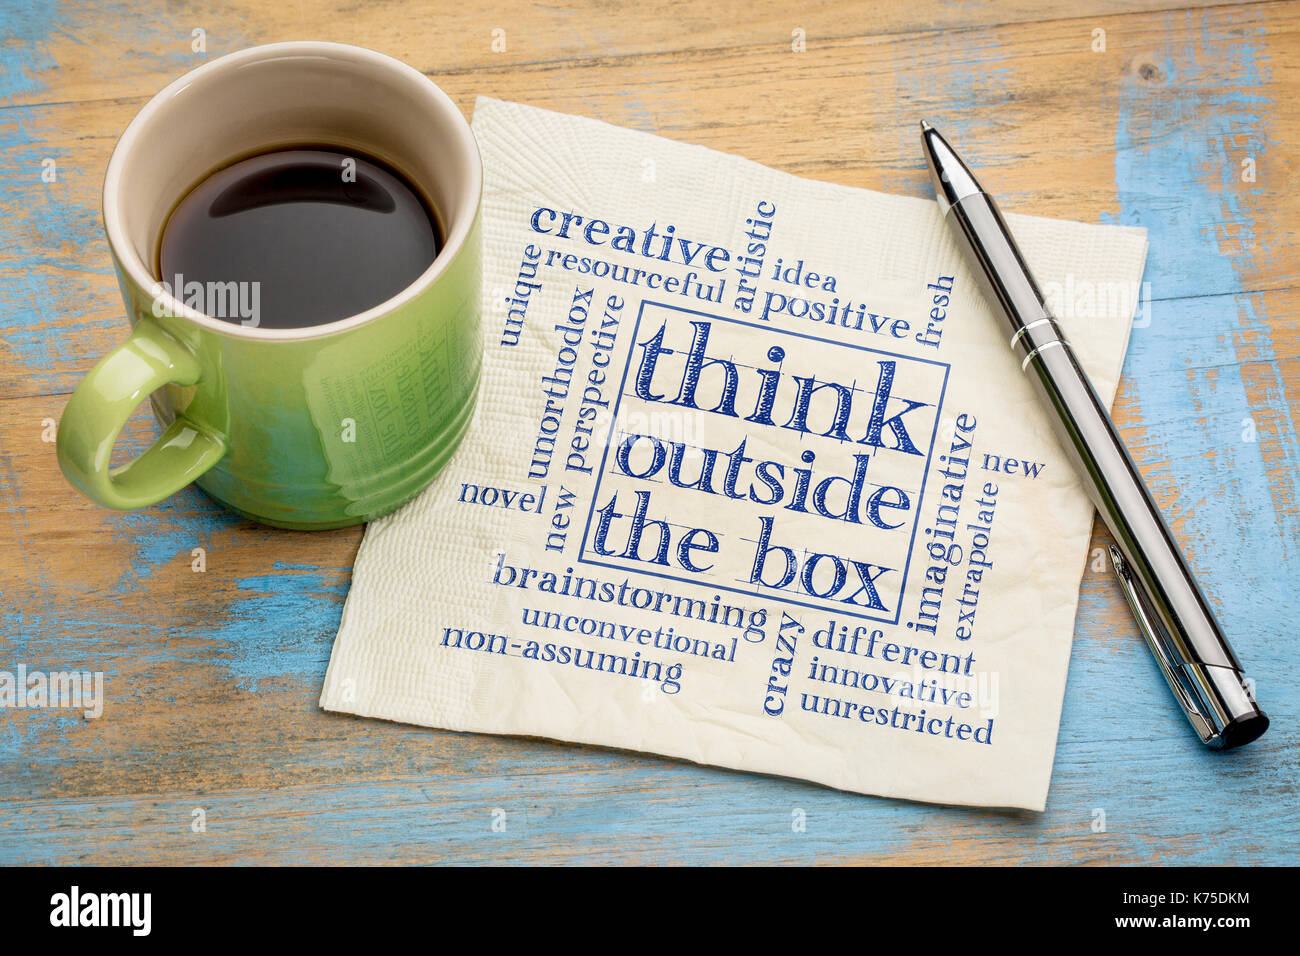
(142,275)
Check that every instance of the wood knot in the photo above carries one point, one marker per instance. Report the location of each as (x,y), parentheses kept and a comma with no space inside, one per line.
(1149,73)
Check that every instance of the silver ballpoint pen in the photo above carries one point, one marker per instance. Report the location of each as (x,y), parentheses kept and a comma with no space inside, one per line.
(1171,612)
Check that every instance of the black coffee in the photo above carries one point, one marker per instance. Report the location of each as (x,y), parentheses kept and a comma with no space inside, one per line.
(296,237)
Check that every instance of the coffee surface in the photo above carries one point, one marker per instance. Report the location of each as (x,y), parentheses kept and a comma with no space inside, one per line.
(307,236)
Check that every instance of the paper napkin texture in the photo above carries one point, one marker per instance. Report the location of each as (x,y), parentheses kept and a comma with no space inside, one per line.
(755,480)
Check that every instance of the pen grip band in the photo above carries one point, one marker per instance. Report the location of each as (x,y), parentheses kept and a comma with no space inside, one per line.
(1002,274)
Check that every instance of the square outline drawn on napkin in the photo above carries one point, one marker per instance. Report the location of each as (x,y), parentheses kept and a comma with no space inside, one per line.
(692,366)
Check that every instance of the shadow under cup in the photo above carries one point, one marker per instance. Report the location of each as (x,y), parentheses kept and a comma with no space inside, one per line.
(324,425)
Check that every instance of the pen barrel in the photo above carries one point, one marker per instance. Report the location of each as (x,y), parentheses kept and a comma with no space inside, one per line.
(1162,583)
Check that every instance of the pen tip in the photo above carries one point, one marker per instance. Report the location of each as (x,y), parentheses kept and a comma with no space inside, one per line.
(925,126)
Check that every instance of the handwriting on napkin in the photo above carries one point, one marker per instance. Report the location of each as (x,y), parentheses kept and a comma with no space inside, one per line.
(754,481)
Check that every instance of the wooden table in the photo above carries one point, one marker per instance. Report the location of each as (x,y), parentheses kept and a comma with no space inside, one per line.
(212,678)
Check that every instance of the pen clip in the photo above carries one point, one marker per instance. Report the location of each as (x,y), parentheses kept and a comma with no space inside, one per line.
(1169,659)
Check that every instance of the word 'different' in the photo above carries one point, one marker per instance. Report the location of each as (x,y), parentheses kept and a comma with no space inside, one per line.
(766,470)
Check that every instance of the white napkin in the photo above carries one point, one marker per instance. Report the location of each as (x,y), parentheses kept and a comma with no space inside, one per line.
(773,614)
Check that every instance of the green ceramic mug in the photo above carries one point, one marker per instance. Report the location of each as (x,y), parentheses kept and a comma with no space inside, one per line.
(314,427)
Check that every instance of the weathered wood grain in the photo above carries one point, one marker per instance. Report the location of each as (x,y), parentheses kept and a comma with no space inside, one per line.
(104,50)
(844,111)
(212,677)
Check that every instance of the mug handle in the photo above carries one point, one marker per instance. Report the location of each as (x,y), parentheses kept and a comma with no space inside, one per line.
(103,402)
